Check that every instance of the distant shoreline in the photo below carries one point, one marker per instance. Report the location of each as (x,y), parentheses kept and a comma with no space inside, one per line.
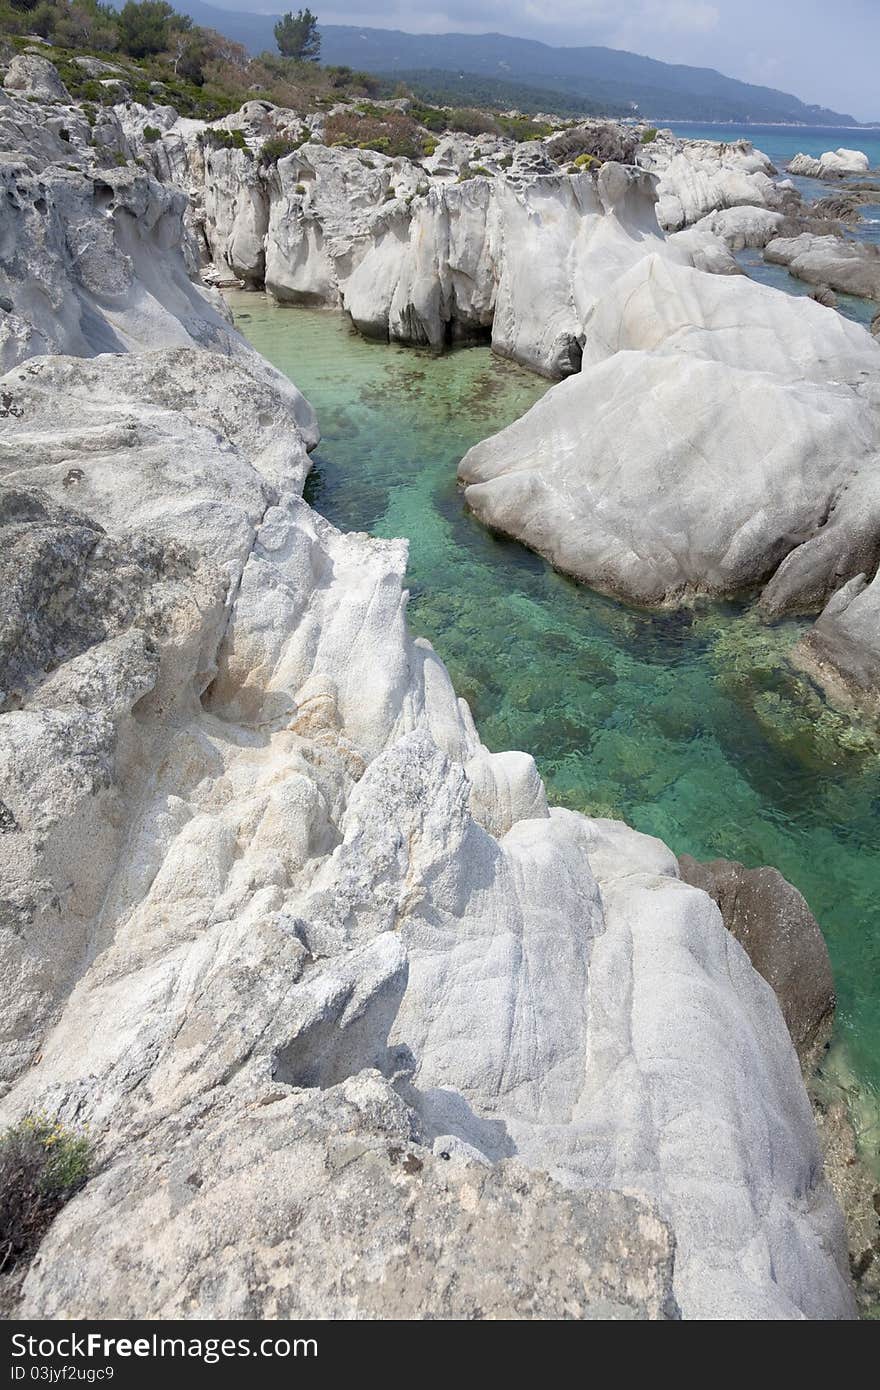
(764,125)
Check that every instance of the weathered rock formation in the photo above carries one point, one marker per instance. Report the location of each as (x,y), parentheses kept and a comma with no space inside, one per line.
(852,267)
(830,164)
(520,260)
(697,177)
(447,249)
(360,1026)
(721,436)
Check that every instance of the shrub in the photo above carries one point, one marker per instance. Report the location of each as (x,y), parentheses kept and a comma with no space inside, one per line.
(152,134)
(42,1164)
(277,148)
(226,139)
(473,122)
(649,136)
(524,128)
(586,161)
(431,117)
(372,128)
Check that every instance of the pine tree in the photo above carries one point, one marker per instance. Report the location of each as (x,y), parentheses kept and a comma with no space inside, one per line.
(297,36)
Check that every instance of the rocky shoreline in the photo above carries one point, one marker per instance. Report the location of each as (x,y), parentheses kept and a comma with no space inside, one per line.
(361,1027)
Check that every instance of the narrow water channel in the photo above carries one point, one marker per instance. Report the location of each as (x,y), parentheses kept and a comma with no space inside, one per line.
(690,726)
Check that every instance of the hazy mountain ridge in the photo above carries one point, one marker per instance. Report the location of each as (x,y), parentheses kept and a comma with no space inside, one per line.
(604,76)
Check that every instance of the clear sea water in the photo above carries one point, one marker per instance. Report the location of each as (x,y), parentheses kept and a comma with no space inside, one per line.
(691,726)
(782,143)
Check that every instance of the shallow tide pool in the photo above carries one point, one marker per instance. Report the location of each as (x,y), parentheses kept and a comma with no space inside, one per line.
(691,726)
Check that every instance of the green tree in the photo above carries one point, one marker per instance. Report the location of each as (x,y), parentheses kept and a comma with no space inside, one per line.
(297,36)
(145,29)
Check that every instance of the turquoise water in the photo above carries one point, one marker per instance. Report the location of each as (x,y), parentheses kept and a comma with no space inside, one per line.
(782,143)
(862,311)
(691,726)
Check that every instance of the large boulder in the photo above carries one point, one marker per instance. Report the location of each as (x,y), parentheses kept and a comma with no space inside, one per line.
(852,267)
(722,435)
(697,177)
(29,75)
(325,1205)
(830,164)
(772,920)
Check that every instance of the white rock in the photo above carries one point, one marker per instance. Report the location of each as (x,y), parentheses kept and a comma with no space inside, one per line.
(107,250)
(842,649)
(29,75)
(702,449)
(697,177)
(521,260)
(273,921)
(848,266)
(830,163)
(742,226)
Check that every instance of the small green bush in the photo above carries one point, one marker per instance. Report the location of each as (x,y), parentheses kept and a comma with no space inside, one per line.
(226,139)
(277,148)
(523,128)
(431,117)
(649,136)
(474,122)
(586,161)
(42,1165)
(152,134)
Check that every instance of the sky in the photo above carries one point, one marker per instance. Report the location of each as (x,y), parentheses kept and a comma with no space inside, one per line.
(824,51)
